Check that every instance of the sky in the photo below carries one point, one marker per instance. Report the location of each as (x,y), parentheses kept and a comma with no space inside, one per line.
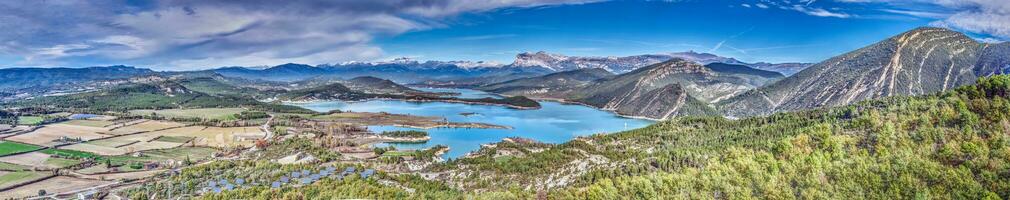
(200,34)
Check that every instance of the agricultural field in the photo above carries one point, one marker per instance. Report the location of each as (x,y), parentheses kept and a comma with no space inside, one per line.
(70,153)
(224,114)
(12,167)
(39,160)
(29,120)
(89,123)
(171,138)
(7,148)
(55,185)
(123,145)
(208,136)
(174,139)
(144,126)
(8,179)
(44,136)
(175,154)
(100,150)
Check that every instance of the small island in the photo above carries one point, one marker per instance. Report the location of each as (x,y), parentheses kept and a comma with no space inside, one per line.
(337,91)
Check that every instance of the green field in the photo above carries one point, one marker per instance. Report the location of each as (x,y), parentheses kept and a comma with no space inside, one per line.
(12,167)
(8,147)
(70,153)
(29,120)
(205,113)
(10,178)
(61,162)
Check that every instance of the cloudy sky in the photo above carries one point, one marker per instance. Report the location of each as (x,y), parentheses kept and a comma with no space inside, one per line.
(200,34)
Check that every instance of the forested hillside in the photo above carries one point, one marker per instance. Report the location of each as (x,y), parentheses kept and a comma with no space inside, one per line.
(952,145)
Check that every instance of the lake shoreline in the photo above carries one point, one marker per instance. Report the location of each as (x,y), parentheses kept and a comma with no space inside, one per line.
(556,121)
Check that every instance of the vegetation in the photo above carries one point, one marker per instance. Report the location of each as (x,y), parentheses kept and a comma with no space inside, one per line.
(191,180)
(8,178)
(406,134)
(8,148)
(336,91)
(30,120)
(288,146)
(155,96)
(950,145)
(247,115)
(11,167)
(70,154)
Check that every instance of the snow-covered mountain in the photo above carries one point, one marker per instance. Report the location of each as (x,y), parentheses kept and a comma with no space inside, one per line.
(619,65)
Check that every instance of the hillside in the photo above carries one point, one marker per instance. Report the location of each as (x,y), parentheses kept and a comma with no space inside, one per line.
(933,146)
(155,95)
(337,91)
(917,62)
(673,88)
(218,86)
(401,71)
(937,145)
(377,85)
(333,91)
(285,72)
(547,84)
(19,78)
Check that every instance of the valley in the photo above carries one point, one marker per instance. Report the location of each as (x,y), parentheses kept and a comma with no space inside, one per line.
(921,114)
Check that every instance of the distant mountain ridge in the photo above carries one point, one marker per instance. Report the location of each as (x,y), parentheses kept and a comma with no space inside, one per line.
(19,78)
(619,65)
(401,71)
(916,62)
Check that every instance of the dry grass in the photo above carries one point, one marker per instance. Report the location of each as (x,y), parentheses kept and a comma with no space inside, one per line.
(55,185)
(210,136)
(205,113)
(45,135)
(97,149)
(145,126)
(89,123)
(38,160)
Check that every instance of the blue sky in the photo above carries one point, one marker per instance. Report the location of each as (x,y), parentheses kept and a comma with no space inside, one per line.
(635,27)
(199,34)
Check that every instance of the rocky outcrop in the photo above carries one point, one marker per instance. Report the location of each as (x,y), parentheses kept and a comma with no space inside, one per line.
(920,61)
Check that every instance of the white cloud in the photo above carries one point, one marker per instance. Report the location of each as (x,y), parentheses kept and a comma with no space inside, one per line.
(820,12)
(991,17)
(189,34)
(923,14)
(996,24)
(761,5)
(486,37)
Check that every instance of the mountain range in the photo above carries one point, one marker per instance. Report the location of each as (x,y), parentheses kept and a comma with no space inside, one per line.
(19,78)
(658,86)
(676,87)
(401,70)
(619,65)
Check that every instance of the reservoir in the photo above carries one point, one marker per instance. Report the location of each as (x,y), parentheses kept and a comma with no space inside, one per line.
(553,123)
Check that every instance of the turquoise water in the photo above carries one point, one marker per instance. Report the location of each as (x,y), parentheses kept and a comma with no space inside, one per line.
(553,123)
